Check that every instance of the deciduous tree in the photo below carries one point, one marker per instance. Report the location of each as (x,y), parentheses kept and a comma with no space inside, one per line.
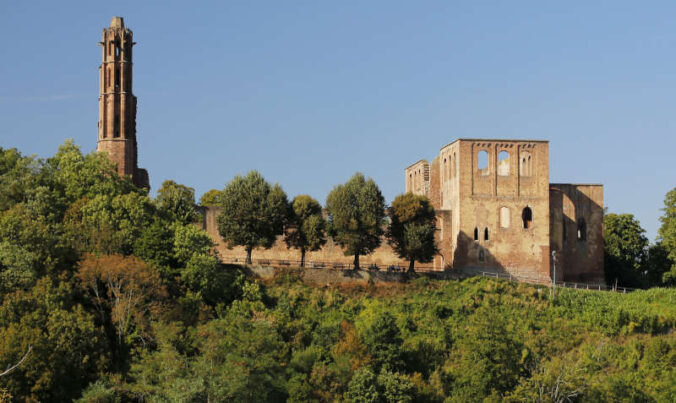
(254,212)
(667,234)
(211,198)
(625,250)
(411,229)
(307,228)
(177,202)
(124,290)
(356,212)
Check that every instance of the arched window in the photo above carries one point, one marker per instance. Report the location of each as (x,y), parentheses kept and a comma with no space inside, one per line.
(527,217)
(454,167)
(503,163)
(504,217)
(482,162)
(482,256)
(564,234)
(525,164)
(476,233)
(449,168)
(486,234)
(581,229)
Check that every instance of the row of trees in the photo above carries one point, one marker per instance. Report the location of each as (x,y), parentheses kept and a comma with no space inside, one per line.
(630,259)
(255,212)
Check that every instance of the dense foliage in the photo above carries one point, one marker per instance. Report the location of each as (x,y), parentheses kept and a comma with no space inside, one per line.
(412,227)
(306,228)
(630,259)
(253,212)
(111,295)
(626,248)
(356,214)
(667,236)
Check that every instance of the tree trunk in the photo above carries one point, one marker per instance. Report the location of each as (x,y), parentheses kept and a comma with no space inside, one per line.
(248,254)
(356,261)
(302,257)
(410,266)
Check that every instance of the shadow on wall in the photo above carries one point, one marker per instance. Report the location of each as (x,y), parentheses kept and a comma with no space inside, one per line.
(576,233)
(472,254)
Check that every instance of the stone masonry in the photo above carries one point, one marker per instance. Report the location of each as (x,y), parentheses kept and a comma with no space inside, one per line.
(117,103)
(497,210)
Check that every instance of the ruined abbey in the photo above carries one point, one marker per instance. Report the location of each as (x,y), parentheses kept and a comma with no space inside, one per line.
(495,207)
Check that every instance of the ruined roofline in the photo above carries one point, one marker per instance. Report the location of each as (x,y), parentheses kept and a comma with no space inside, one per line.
(576,184)
(416,163)
(497,141)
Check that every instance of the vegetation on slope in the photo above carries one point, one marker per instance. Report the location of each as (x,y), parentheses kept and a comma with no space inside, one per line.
(117,296)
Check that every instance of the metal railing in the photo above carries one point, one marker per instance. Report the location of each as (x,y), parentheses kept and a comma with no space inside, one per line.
(399,268)
(318,264)
(564,284)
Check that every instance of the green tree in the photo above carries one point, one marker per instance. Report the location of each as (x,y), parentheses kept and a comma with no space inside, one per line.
(241,360)
(203,274)
(109,224)
(177,202)
(659,266)
(189,241)
(17,268)
(88,175)
(211,198)
(363,388)
(68,350)
(626,249)
(411,229)
(667,234)
(254,213)
(356,212)
(383,340)
(307,228)
(155,245)
(490,356)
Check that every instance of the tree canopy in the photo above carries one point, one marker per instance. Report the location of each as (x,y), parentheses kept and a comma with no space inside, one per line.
(177,202)
(306,229)
(356,216)
(626,248)
(253,212)
(667,234)
(117,296)
(211,198)
(412,227)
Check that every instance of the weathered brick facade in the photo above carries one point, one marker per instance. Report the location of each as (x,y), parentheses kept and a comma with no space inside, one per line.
(497,210)
(117,103)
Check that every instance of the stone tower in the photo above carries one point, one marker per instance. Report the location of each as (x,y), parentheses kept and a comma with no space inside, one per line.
(117,103)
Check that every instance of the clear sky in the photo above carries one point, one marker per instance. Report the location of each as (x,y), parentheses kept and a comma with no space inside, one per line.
(310,92)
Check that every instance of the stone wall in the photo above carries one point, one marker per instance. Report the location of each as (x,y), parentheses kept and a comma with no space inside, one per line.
(491,205)
(576,222)
(383,256)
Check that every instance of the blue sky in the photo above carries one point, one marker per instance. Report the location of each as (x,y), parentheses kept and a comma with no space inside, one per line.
(310,92)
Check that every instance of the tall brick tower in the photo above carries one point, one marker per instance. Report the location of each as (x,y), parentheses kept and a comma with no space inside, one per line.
(117,103)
